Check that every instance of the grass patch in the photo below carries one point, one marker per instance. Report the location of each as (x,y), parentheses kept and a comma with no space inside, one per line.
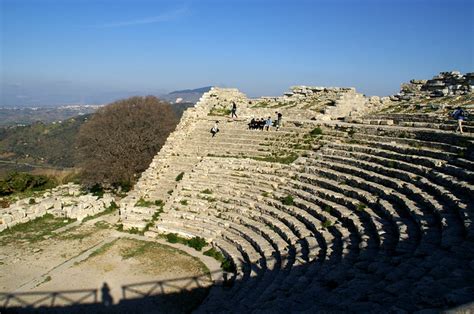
(102,225)
(361,207)
(287,200)
(70,235)
(197,242)
(34,230)
(226,264)
(104,248)
(327,208)
(179,177)
(144,203)
(219,112)
(327,223)
(141,249)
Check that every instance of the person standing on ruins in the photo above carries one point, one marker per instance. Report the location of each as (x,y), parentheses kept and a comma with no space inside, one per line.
(233,111)
(268,123)
(278,120)
(215,129)
(460,115)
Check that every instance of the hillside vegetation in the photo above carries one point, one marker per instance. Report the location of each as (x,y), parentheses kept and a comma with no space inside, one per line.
(40,143)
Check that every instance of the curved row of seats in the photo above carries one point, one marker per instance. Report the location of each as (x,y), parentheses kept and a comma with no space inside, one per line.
(368,220)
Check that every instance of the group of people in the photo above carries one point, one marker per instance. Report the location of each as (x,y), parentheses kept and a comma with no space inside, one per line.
(262,123)
(254,124)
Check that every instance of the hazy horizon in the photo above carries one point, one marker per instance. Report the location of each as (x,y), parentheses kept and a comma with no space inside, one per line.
(93,52)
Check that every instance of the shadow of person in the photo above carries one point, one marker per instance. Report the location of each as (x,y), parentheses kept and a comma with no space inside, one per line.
(107,299)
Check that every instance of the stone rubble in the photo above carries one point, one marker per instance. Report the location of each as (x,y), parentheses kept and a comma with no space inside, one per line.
(444,84)
(66,201)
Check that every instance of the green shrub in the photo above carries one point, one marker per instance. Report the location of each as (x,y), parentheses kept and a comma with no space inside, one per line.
(197,243)
(135,230)
(159,203)
(17,182)
(228,266)
(32,201)
(206,191)
(287,200)
(265,194)
(184,202)
(179,177)
(144,203)
(113,206)
(327,208)
(156,214)
(316,131)
(212,252)
(97,190)
(172,238)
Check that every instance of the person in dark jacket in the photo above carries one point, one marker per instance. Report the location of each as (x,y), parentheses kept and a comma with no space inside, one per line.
(460,115)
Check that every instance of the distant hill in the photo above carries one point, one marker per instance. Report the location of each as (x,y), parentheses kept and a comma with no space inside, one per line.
(186,95)
(26,116)
(41,144)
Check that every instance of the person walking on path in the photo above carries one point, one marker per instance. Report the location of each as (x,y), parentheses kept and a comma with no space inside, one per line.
(233,111)
(268,123)
(460,115)
(215,129)
(278,120)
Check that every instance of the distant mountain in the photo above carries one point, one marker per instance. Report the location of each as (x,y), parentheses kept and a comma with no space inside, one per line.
(186,95)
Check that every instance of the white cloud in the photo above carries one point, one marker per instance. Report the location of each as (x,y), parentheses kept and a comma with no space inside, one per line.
(164,17)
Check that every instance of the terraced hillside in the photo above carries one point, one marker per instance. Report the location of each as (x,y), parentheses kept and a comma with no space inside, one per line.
(370,214)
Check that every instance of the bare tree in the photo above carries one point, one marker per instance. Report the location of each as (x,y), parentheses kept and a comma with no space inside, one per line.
(121,139)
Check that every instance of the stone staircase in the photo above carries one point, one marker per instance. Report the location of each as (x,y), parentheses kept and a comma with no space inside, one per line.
(371,217)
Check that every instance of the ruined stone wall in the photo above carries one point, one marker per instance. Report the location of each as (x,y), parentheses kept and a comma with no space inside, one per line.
(66,201)
(444,84)
(320,103)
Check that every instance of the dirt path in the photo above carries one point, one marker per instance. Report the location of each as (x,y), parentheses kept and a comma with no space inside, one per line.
(88,257)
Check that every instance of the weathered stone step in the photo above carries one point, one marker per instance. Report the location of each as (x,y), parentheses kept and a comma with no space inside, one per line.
(411,173)
(451,225)
(412,164)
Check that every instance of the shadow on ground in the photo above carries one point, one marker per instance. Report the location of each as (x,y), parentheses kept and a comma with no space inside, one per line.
(143,297)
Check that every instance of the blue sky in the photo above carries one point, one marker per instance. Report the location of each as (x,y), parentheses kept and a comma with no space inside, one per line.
(84,51)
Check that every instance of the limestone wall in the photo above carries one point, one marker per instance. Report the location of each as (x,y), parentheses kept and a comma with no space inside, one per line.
(444,84)
(317,103)
(63,201)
